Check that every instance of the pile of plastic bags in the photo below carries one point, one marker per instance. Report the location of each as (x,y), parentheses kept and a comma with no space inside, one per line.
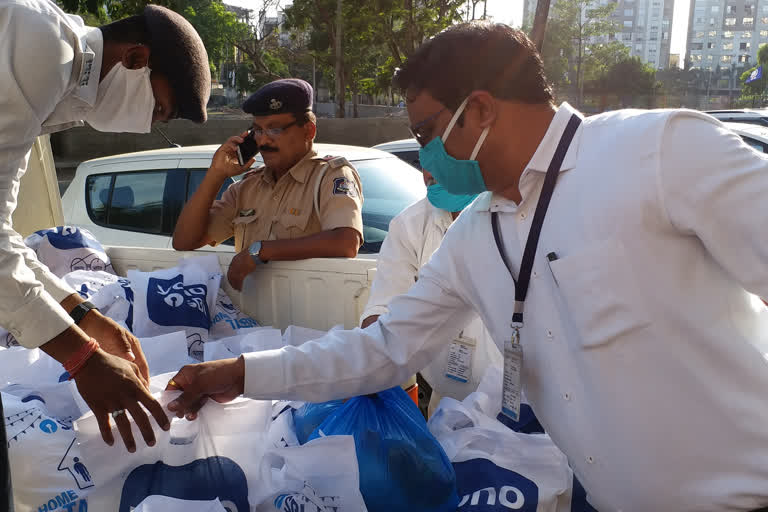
(372,452)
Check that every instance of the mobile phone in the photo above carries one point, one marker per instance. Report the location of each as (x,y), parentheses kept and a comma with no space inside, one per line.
(248,149)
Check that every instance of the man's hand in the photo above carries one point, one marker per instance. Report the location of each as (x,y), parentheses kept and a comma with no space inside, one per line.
(222,380)
(116,340)
(109,383)
(225,163)
(242,265)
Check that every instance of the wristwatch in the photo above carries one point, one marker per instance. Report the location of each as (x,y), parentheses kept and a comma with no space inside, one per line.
(254,251)
(82,309)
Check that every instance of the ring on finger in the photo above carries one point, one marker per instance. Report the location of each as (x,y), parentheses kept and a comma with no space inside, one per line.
(116,414)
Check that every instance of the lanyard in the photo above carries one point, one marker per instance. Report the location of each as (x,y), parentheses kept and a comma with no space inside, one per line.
(526,266)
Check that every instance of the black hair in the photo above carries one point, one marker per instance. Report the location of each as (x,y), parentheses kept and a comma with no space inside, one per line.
(131,30)
(476,56)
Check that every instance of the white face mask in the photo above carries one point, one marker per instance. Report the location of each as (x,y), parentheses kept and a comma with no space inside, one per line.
(125,101)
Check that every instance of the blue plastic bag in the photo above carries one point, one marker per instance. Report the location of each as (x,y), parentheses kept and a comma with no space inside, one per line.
(309,416)
(402,466)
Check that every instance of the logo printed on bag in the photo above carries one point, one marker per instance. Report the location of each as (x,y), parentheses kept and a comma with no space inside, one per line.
(69,237)
(76,468)
(67,501)
(195,346)
(306,500)
(485,487)
(170,302)
(89,262)
(200,480)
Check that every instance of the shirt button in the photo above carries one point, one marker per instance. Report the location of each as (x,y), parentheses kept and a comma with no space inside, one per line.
(522,215)
(590,460)
(549,333)
(567,396)
(535,274)
(275,198)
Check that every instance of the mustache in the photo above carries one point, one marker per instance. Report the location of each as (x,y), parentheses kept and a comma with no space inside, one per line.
(267,148)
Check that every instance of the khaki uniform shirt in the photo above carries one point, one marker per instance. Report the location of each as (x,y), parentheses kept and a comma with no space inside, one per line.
(258,208)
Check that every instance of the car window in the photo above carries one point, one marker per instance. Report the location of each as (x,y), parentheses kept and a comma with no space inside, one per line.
(409,156)
(97,196)
(143,201)
(196,178)
(389,186)
(756,144)
(137,201)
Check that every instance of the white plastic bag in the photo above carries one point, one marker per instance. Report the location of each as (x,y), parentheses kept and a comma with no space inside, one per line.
(115,301)
(67,248)
(88,282)
(320,476)
(498,469)
(166,504)
(227,319)
(179,298)
(166,353)
(216,456)
(48,468)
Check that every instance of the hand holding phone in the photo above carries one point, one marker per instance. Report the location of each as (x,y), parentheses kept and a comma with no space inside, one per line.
(248,149)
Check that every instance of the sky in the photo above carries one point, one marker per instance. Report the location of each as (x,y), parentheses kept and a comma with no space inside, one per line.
(511,12)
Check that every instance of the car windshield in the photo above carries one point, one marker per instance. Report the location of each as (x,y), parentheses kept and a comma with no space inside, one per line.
(389,186)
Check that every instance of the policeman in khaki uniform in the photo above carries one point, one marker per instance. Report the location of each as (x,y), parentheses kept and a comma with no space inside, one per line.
(299,205)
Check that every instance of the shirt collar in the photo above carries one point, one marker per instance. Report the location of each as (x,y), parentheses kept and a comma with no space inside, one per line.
(541,158)
(92,44)
(440,218)
(546,149)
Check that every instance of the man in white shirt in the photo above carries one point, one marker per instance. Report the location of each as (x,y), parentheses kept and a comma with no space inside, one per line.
(413,236)
(645,352)
(54,73)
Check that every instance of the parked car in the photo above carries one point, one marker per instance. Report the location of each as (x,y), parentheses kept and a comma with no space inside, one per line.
(754,135)
(745,116)
(406,150)
(134,199)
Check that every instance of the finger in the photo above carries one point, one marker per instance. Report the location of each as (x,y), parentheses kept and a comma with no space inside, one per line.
(124,427)
(183,378)
(247,166)
(141,362)
(102,418)
(155,409)
(140,417)
(186,402)
(191,414)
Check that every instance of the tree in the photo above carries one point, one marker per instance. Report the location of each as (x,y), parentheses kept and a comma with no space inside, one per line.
(629,78)
(755,90)
(582,23)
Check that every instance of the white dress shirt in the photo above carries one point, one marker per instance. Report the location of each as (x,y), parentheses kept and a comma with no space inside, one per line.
(645,353)
(49,76)
(413,236)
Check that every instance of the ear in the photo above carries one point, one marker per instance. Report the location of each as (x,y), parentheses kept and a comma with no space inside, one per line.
(482,108)
(136,57)
(310,130)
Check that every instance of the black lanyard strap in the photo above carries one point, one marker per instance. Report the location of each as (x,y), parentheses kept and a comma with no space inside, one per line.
(550,180)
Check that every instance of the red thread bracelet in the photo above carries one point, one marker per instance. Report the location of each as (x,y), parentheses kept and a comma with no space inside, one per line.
(75,363)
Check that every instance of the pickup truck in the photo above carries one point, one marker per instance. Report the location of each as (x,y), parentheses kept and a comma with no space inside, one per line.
(317,293)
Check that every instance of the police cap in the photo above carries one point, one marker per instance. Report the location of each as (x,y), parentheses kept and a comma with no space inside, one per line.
(179,54)
(290,95)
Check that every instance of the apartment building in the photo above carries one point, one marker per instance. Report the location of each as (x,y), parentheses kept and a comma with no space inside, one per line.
(645,27)
(723,39)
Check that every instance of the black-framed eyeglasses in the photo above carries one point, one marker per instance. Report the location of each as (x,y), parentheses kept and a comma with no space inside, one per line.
(420,137)
(270,132)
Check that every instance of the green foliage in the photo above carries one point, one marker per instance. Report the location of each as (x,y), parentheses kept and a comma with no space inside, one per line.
(571,52)
(629,76)
(755,90)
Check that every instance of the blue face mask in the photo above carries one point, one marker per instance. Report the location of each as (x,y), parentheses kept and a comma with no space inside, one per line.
(456,176)
(440,198)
